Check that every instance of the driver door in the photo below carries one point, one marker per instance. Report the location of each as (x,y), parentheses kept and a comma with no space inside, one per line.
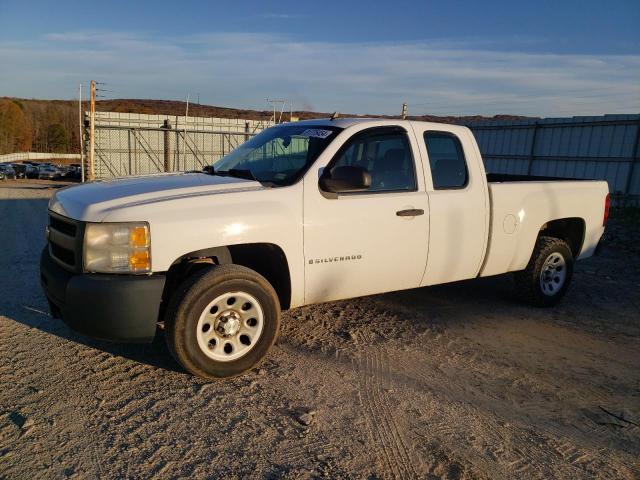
(370,241)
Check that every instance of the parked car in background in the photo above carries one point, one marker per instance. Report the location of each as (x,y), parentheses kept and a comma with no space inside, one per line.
(31,170)
(20,169)
(70,171)
(77,170)
(8,171)
(48,172)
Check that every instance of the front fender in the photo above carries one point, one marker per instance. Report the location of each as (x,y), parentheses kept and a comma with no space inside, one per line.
(185,225)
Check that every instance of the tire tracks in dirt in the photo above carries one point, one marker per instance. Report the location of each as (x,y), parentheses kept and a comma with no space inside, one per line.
(371,367)
(497,426)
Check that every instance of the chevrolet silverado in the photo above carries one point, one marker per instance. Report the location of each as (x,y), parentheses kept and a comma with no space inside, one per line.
(303,213)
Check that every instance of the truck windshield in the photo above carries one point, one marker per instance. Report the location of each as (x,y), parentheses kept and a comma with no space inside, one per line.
(279,155)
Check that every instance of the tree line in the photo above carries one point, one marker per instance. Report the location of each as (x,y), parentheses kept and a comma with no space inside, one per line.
(52,125)
(38,126)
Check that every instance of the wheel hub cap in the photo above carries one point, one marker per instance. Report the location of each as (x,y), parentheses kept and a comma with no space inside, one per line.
(228,323)
(553,274)
(230,326)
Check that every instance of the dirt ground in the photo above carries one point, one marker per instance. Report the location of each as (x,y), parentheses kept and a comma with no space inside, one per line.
(455,381)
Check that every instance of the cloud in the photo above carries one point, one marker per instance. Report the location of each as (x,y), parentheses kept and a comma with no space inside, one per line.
(282,16)
(242,69)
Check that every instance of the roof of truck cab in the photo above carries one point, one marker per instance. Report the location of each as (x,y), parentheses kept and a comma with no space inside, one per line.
(348,122)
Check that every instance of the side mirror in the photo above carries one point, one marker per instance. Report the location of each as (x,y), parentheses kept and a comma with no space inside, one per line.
(208,169)
(345,179)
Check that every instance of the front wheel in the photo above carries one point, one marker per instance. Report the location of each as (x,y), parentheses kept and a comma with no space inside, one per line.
(547,277)
(222,321)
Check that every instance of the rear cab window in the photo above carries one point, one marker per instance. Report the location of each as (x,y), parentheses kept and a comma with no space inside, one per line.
(446,160)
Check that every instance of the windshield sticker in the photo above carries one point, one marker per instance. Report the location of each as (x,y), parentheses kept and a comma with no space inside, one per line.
(316,132)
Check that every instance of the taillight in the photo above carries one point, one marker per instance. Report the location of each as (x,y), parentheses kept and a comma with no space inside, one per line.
(607,204)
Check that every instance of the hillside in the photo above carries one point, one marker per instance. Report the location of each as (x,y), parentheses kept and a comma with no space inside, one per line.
(175,107)
(52,125)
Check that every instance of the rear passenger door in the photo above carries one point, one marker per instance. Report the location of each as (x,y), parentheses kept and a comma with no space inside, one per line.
(458,203)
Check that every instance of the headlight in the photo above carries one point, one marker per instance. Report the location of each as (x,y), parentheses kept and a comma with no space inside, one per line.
(117,248)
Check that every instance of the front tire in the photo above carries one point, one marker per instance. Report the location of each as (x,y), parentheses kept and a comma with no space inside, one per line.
(548,275)
(222,321)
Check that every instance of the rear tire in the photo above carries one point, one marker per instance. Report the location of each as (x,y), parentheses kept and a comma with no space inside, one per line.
(548,275)
(222,321)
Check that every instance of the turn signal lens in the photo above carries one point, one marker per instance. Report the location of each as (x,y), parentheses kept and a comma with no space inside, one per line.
(139,260)
(138,237)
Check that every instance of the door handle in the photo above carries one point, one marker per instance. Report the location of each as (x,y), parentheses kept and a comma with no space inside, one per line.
(410,212)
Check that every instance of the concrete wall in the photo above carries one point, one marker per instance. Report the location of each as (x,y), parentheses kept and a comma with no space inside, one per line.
(38,157)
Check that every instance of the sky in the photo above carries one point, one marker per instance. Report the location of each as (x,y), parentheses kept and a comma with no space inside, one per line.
(542,58)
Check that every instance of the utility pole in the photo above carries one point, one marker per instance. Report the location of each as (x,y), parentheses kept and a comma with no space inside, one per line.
(274,110)
(92,139)
(274,102)
(184,136)
(81,137)
(167,145)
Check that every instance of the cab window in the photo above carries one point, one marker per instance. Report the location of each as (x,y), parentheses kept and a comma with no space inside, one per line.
(386,154)
(446,160)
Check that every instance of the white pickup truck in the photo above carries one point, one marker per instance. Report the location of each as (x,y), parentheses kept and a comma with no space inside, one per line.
(303,213)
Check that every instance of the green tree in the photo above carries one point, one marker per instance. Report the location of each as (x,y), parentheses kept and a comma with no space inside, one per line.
(58,138)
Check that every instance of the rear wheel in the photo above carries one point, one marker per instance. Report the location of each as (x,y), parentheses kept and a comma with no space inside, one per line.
(547,277)
(222,321)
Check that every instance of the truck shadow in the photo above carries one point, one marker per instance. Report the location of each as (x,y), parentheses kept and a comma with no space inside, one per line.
(155,354)
(449,303)
(22,222)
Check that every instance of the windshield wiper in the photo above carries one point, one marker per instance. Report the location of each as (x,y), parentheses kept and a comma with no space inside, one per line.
(207,170)
(237,173)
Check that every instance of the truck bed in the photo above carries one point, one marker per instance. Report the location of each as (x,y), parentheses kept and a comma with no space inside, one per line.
(508,177)
(522,205)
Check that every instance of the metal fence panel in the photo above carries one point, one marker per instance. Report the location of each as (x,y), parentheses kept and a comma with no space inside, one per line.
(137,144)
(604,147)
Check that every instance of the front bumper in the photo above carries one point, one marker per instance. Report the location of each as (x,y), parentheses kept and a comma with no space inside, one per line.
(121,308)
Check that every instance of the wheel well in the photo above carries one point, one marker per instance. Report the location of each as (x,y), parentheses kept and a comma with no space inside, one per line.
(571,230)
(269,261)
(265,258)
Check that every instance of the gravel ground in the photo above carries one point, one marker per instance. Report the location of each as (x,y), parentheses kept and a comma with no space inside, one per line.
(455,381)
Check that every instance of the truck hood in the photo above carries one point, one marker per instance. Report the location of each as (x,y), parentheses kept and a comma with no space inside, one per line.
(94,201)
